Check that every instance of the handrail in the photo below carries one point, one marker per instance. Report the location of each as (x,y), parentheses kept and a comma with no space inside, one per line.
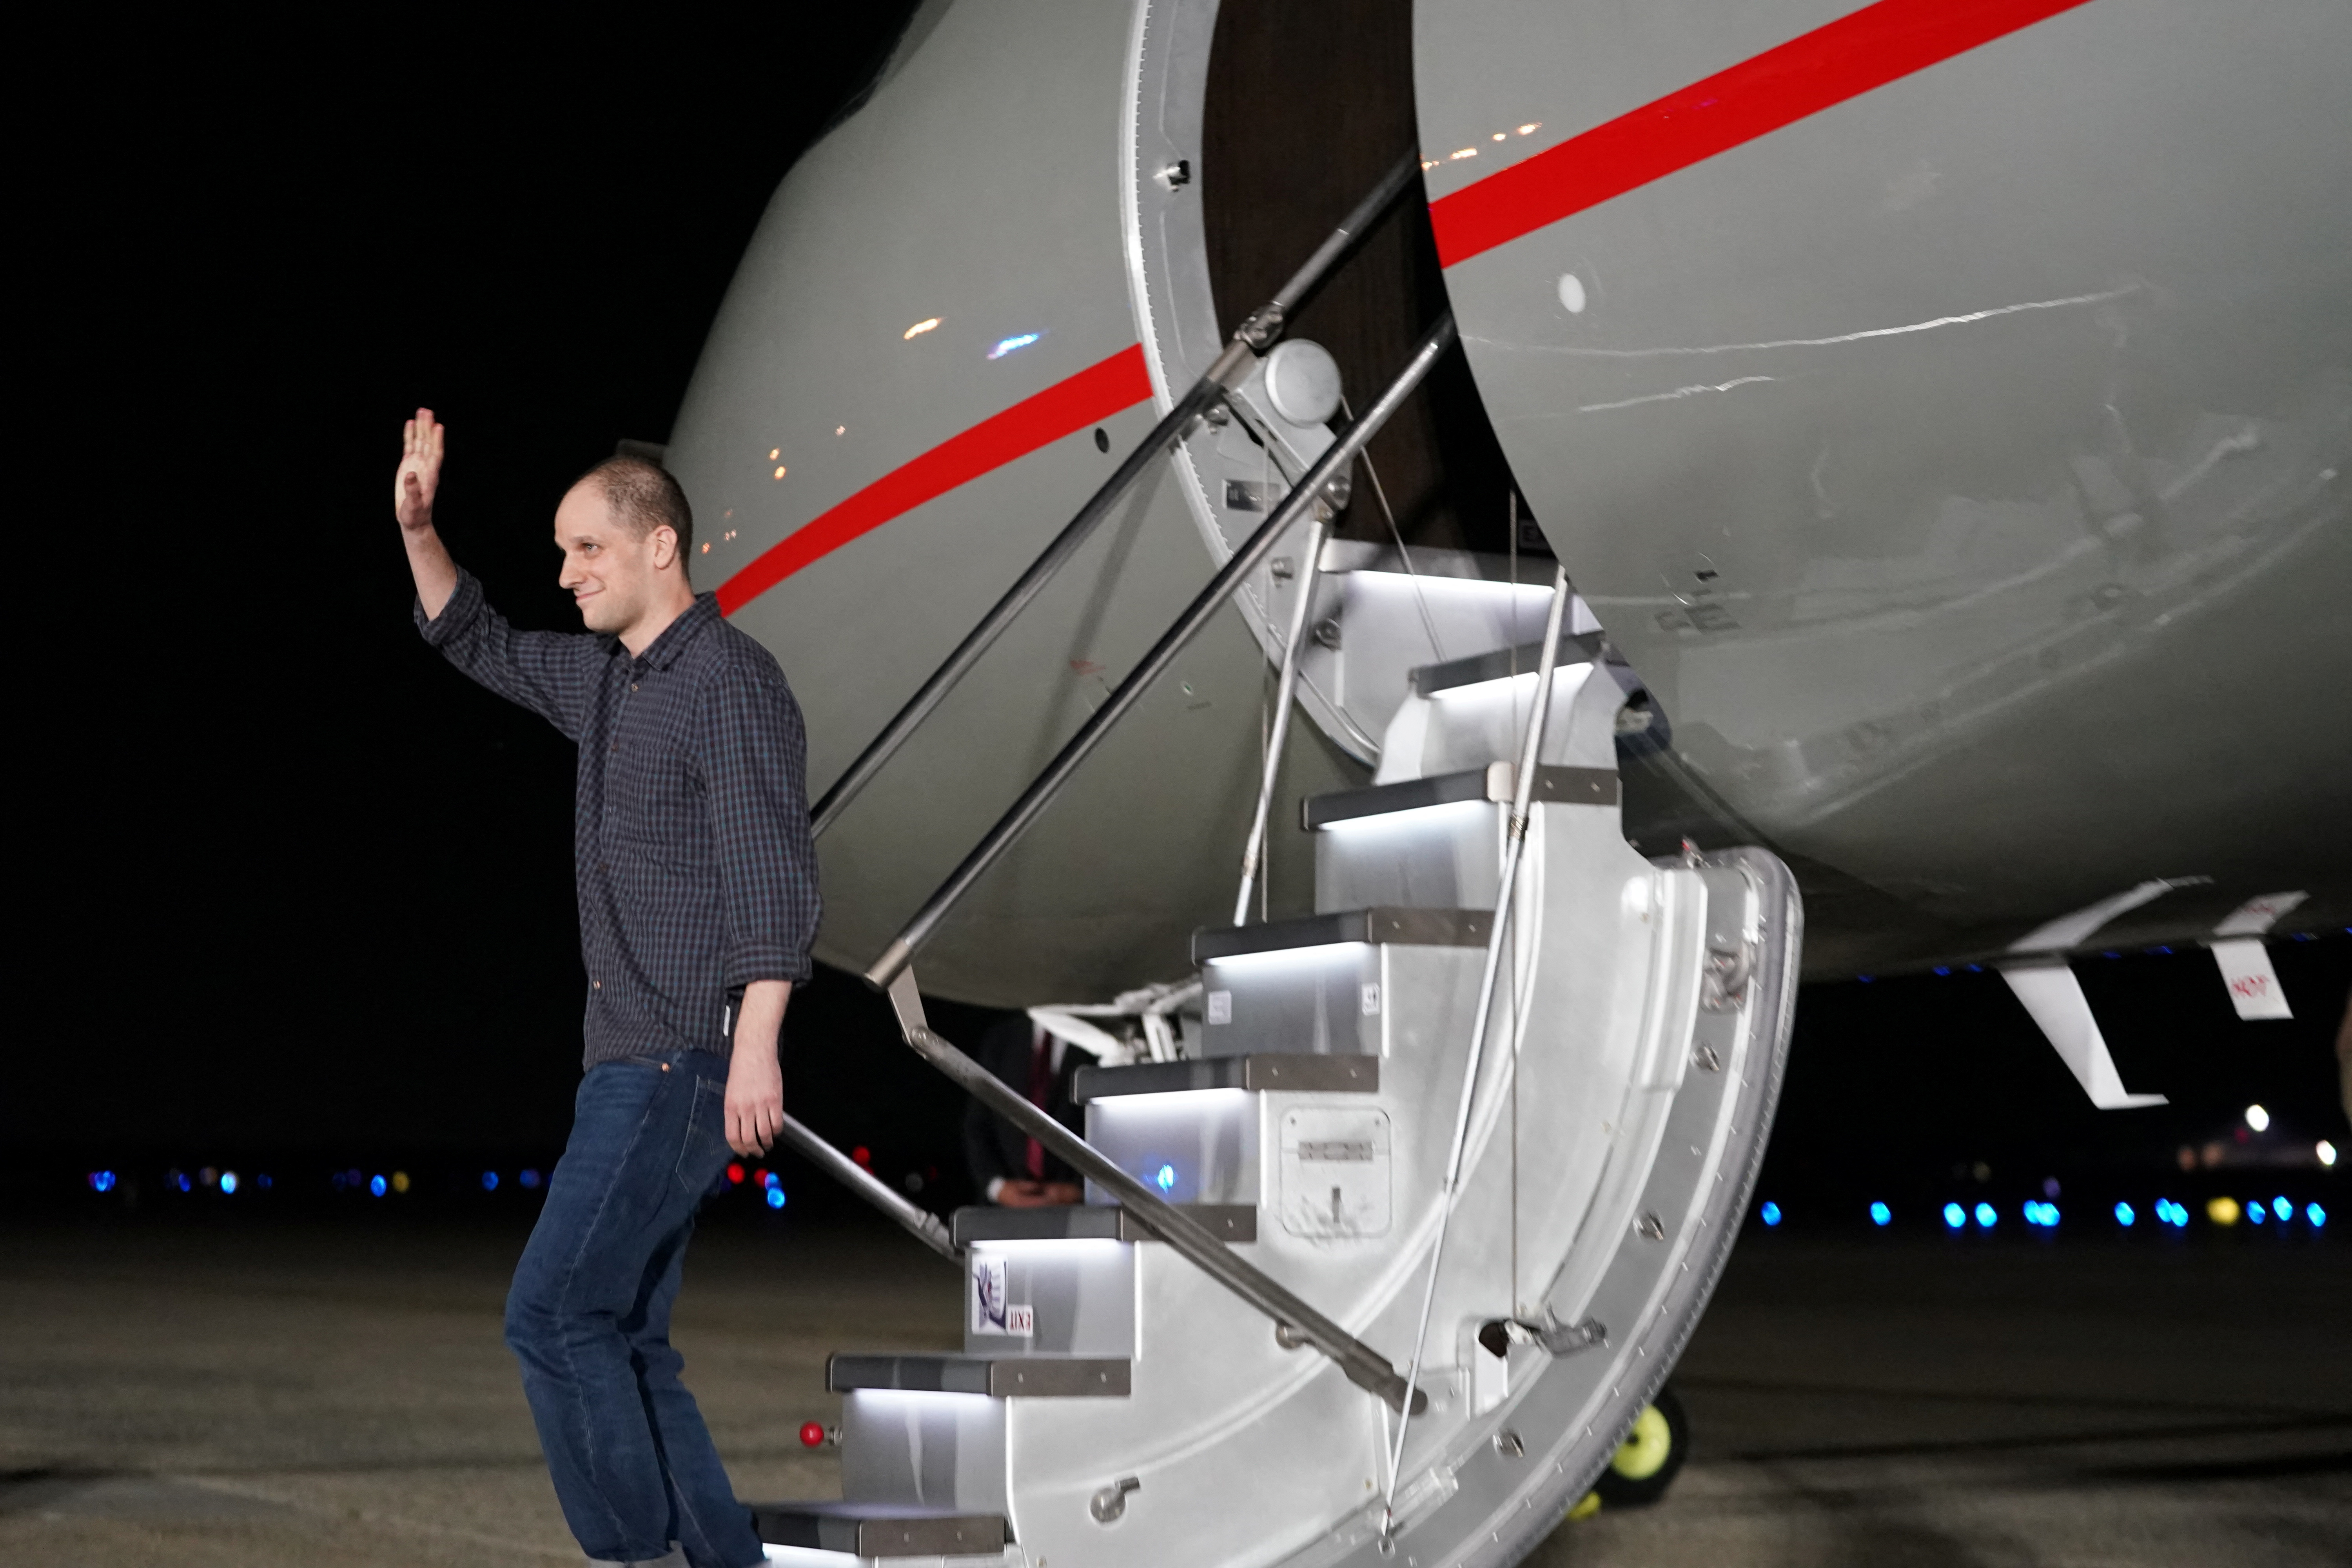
(1253,552)
(920,1223)
(1229,369)
(1295,1323)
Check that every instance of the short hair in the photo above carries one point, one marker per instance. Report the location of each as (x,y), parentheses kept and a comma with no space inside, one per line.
(645,496)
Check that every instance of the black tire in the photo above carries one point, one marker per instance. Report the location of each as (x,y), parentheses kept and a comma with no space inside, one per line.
(1618,1490)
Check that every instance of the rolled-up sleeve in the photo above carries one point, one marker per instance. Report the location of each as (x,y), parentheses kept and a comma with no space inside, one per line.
(548,672)
(753,760)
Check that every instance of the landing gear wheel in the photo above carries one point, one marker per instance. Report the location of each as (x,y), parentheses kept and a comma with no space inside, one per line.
(1650,1457)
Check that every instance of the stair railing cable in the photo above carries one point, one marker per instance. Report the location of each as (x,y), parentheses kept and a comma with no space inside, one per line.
(1259,331)
(1514,843)
(1040,793)
(1279,731)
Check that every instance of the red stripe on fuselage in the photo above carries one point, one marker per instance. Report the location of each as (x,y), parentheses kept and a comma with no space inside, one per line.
(1873,46)
(1092,395)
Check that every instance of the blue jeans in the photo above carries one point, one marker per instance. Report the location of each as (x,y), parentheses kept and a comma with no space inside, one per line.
(589,1318)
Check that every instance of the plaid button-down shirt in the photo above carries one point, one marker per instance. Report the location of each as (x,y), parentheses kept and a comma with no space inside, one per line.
(696,871)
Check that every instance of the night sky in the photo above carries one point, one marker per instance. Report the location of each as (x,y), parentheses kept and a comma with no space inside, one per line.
(290,886)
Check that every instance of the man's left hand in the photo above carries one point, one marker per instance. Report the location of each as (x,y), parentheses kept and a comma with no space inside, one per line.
(755,1081)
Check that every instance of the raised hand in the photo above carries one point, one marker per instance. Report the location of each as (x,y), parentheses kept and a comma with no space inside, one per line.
(419,477)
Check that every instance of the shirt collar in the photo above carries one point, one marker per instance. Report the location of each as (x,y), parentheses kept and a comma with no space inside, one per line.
(698,617)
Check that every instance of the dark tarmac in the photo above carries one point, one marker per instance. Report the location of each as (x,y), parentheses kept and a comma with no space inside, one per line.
(268,1395)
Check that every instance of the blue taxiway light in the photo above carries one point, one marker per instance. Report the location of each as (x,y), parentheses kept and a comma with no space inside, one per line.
(1880,1213)
(775,1197)
(529,1180)
(101,1180)
(1769,1214)
(228,1182)
(1985,1215)
(1955,1216)
(2255,1212)
(2283,1209)
(2316,1216)
(490,1181)
(377,1186)
(2124,1216)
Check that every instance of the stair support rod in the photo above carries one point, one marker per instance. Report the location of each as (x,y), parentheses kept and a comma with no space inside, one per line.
(1279,731)
(1363,1366)
(1266,322)
(921,1224)
(1229,369)
(1197,615)
(1514,842)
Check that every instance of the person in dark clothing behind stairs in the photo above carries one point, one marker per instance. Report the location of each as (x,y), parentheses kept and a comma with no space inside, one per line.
(697,905)
(1008,1166)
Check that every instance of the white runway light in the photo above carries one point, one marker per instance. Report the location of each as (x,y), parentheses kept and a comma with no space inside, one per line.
(2258,1119)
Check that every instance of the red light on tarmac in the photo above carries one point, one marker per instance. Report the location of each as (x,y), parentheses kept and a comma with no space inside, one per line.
(862,1155)
(812,1433)
(734,1175)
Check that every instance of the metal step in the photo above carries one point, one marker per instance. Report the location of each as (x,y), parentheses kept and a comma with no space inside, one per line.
(1436,841)
(1502,664)
(1320,987)
(1388,924)
(878,1529)
(998,1377)
(1093,1222)
(1255,1074)
(1567,786)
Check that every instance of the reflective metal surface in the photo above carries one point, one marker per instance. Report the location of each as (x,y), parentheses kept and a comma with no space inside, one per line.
(1963,467)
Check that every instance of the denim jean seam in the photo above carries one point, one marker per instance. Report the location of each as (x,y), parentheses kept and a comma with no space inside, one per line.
(693,1120)
(571,1269)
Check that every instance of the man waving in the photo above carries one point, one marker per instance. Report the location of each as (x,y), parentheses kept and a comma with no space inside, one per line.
(697,905)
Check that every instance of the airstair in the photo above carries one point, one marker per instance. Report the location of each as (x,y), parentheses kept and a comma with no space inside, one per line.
(1414,1207)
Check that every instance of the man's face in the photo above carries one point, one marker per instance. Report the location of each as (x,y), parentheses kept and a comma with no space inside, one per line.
(608,569)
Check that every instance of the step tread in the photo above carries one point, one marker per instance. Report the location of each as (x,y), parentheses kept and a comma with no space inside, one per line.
(1560,785)
(1501,664)
(1092,1222)
(878,1528)
(1294,1072)
(1385,923)
(998,1377)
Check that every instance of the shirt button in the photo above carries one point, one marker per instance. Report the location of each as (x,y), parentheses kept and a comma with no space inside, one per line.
(595,985)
